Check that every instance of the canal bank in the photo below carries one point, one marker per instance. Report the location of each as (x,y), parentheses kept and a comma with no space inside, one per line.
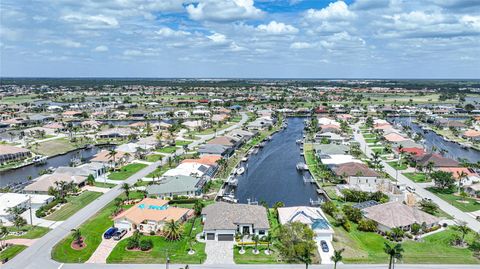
(271,175)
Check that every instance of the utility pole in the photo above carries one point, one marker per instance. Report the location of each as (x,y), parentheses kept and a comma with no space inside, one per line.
(30,207)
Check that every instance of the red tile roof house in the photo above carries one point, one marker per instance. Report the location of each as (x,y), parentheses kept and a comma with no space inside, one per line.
(470,176)
(394,137)
(356,173)
(72,114)
(472,135)
(415,152)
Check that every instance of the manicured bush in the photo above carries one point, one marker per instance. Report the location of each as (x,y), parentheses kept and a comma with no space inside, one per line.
(367,225)
(41,211)
(146,244)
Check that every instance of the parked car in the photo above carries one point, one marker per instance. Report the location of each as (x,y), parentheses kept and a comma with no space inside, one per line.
(110,232)
(410,189)
(324,246)
(119,234)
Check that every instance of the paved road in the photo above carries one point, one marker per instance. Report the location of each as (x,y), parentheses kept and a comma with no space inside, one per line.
(445,206)
(38,255)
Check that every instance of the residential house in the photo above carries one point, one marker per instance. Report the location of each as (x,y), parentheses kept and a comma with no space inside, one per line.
(312,216)
(356,173)
(169,186)
(105,158)
(11,153)
(215,149)
(42,184)
(437,160)
(463,176)
(150,215)
(23,201)
(223,220)
(472,135)
(116,133)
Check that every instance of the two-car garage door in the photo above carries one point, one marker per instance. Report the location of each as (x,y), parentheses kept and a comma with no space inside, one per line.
(225,237)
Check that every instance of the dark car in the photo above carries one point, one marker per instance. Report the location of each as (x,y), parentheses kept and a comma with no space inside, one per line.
(110,232)
(324,246)
(119,234)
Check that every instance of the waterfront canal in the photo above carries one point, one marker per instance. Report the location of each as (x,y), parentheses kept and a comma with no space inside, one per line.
(271,174)
(32,171)
(432,139)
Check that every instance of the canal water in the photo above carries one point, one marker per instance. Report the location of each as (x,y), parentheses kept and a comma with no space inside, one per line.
(32,171)
(452,150)
(271,174)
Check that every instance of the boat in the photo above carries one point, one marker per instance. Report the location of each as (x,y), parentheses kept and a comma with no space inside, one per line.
(240,171)
(299,141)
(301,166)
(39,160)
(269,138)
(244,159)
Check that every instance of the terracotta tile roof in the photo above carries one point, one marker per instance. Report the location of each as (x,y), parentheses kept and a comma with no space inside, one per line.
(413,151)
(456,171)
(7,149)
(154,210)
(394,137)
(206,159)
(471,133)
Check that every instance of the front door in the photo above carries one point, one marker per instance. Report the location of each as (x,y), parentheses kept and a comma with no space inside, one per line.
(246,230)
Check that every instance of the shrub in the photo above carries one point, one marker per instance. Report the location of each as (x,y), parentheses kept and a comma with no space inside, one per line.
(415,229)
(131,244)
(146,244)
(367,225)
(41,211)
(329,207)
(353,214)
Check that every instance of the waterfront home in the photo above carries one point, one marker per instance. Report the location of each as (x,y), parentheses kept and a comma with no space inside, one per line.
(260,124)
(115,133)
(38,132)
(160,114)
(23,201)
(150,215)
(398,215)
(224,141)
(327,121)
(57,127)
(149,143)
(71,114)
(180,185)
(410,151)
(472,135)
(201,113)
(331,138)
(44,182)
(194,124)
(329,149)
(95,169)
(463,176)
(105,158)
(447,124)
(214,149)
(12,153)
(223,220)
(330,128)
(242,135)
(90,124)
(206,159)
(406,144)
(336,159)
(161,126)
(181,114)
(473,190)
(437,160)
(192,169)
(355,173)
(219,117)
(312,216)
(394,137)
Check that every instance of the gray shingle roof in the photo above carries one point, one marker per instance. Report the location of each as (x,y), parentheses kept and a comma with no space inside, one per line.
(226,216)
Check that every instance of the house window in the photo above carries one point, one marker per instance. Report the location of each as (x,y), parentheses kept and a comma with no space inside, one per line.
(261,232)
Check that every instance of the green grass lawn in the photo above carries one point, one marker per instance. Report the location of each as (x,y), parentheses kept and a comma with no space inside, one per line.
(396,166)
(467,205)
(92,230)
(126,171)
(177,251)
(365,247)
(11,252)
(56,146)
(417,177)
(154,157)
(159,171)
(74,204)
(379,150)
(104,185)
(167,150)
(31,232)
(249,258)
(371,140)
(181,143)
(369,136)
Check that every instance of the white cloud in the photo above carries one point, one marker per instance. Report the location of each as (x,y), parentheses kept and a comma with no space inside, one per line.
(334,11)
(301,45)
(169,32)
(101,48)
(277,28)
(218,38)
(91,21)
(132,53)
(224,10)
(64,42)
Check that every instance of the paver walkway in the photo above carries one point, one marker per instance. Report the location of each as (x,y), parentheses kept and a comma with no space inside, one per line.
(219,252)
(103,250)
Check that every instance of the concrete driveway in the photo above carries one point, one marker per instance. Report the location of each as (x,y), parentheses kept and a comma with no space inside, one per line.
(219,252)
(103,250)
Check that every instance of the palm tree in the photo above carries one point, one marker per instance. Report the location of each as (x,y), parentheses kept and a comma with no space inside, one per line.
(126,189)
(394,252)
(112,154)
(197,207)
(268,239)
(400,154)
(429,168)
(3,233)
(336,257)
(255,239)
(464,230)
(77,236)
(173,230)
(462,175)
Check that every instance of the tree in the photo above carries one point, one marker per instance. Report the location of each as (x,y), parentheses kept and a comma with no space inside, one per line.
(197,207)
(112,154)
(353,214)
(90,180)
(19,221)
(173,230)
(443,180)
(394,252)
(3,233)
(367,225)
(464,230)
(77,236)
(255,239)
(336,257)
(268,239)
(397,233)
(295,242)
(429,207)
(126,189)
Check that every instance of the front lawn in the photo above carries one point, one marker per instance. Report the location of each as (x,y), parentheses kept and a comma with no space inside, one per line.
(104,185)
(74,204)
(177,251)
(11,252)
(371,140)
(367,247)
(32,232)
(167,150)
(249,258)
(396,166)
(154,157)
(417,177)
(126,171)
(465,204)
(181,143)
(92,230)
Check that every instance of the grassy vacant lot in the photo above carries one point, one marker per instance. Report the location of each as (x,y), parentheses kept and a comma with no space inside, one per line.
(464,204)
(126,171)
(74,204)
(364,247)
(92,230)
(396,166)
(249,258)
(31,232)
(167,150)
(54,147)
(154,157)
(19,99)
(11,252)
(417,177)
(176,250)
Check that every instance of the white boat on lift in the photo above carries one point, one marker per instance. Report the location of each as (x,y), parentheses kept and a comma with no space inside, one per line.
(240,171)
(244,159)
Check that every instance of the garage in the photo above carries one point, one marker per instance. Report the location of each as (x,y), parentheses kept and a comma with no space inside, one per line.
(225,237)
(210,236)
(123,224)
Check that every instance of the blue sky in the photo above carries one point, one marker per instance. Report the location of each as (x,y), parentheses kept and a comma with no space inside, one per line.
(240,38)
